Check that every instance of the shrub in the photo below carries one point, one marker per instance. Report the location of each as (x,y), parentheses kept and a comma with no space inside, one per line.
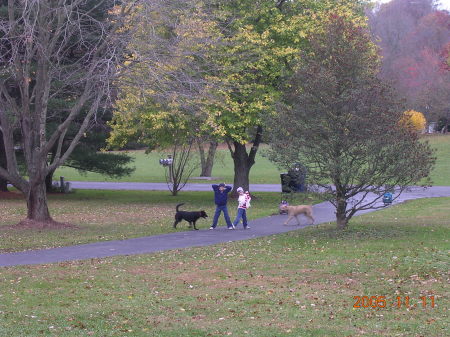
(415,120)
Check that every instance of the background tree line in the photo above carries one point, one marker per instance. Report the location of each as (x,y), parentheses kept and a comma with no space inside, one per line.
(414,38)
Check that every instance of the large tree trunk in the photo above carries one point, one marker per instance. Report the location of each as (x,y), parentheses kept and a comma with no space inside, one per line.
(242,166)
(207,169)
(49,176)
(37,203)
(244,161)
(49,181)
(341,218)
(3,182)
(207,162)
(446,121)
(3,185)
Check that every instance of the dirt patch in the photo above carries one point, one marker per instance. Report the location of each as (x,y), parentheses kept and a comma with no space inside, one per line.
(11,195)
(40,225)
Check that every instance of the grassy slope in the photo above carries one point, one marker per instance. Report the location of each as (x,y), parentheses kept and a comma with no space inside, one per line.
(297,284)
(264,172)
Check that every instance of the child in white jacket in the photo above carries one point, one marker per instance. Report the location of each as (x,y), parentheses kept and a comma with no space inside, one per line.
(243,205)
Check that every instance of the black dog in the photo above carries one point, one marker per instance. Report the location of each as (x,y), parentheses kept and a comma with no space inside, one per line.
(190,217)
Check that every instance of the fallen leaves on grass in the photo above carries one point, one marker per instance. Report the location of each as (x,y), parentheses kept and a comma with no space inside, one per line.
(40,225)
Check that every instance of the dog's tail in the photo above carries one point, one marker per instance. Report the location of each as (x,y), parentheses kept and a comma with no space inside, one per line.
(179,206)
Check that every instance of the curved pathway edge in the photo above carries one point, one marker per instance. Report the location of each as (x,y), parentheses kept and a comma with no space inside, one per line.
(323,212)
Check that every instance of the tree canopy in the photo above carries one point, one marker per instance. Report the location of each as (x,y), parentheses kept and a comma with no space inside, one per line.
(219,65)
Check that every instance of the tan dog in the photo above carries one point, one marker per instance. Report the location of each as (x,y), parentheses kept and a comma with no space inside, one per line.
(294,211)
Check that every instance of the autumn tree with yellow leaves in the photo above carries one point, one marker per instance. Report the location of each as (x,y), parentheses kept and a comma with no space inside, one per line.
(414,120)
(165,81)
(220,66)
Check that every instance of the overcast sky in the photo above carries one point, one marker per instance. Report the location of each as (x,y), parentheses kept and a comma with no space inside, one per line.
(444,3)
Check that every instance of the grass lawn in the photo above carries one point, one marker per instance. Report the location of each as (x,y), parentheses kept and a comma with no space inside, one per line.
(113,215)
(263,172)
(298,284)
(441,173)
(148,169)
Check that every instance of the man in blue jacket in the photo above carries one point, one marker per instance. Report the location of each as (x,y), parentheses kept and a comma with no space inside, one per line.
(220,198)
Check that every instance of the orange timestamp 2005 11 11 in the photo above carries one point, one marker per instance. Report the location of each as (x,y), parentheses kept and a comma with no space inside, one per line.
(394,302)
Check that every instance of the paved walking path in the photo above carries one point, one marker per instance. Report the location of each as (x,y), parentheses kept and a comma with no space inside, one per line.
(323,212)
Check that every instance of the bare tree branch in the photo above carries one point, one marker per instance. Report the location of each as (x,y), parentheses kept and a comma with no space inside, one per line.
(58,61)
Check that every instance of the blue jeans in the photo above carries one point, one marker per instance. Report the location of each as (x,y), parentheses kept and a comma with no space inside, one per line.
(223,209)
(241,213)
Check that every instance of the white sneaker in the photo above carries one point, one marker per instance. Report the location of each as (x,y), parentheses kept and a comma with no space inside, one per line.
(231,228)
(210,228)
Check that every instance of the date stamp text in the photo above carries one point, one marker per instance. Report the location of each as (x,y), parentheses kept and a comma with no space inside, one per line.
(394,302)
